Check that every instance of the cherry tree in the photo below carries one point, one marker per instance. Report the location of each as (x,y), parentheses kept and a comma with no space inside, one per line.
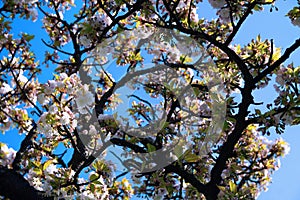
(183,134)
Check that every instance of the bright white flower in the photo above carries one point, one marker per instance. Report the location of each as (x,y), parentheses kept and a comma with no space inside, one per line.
(60,84)
(63,76)
(84,41)
(5,126)
(72,173)
(105,117)
(225,15)
(194,15)
(22,78)
(217,3)
(5,88)
(7,155)
(70,88)
(84,97)
(30,1)
(45,128)
(47,188)
(50,87)
(53,109)
(92,130)
(86,195)
(65,119)
(283,146)
(52,84)
(34,14)
(42,99)
(51,169)
(74,123)
(287,148)
(280,79)
(37,182)
(100,21)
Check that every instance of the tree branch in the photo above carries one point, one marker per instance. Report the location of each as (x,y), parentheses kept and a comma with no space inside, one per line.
(16,187)
(277,63)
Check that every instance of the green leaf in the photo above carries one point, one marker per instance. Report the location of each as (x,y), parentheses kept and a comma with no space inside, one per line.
(92,186)
(46,164)
(191,157)
(93,177)
(151,147)
(38,171)
(36,164)
(258,37)
(56,43)
(222,188)
(28,37)
(257,111)
(232,186)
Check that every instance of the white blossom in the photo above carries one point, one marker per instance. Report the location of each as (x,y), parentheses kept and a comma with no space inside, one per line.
(105,117)
(34,14)
(286,148)
(100,21)
(53,109)
(225,15)
(47,188)
(7,155)
(280,79)
(5,126)
(74,123)
(42,99)
(217,3)
(44,127)
(92,130)
(86,195)
(51,169)
(37,183)
(5,88)
(84,41)
(65,119)
(22,78)
(84,97)
(63,76)
(50,87)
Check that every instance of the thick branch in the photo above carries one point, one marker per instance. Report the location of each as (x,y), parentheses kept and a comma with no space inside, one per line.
(15,187)
(189,178)
(27,142)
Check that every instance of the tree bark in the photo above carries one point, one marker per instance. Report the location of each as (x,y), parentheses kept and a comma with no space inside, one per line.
(15,187)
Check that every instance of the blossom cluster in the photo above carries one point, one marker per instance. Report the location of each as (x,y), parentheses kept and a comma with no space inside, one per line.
(294,16)
(7,155)
(59,113)
(266,153)
(93,28)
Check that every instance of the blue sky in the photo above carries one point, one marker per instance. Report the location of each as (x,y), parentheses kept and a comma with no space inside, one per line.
(269,25)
